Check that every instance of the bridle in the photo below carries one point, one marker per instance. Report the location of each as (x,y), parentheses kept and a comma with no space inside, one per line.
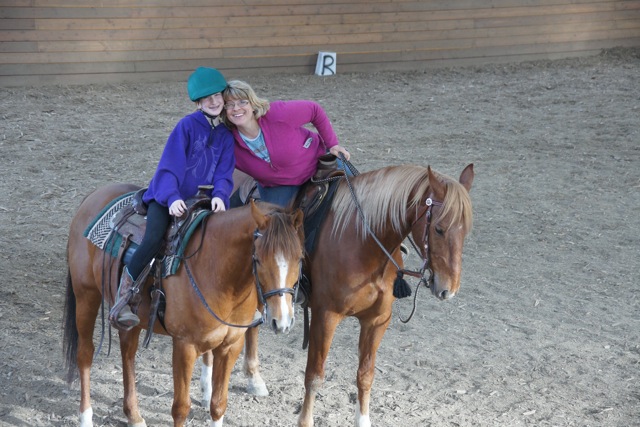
(426,262)
(424,255)
(426,259)
(262,296)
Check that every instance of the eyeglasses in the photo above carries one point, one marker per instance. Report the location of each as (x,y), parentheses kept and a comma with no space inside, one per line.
(239,104)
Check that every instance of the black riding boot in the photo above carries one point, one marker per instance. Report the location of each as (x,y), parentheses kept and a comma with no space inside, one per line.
(121,316)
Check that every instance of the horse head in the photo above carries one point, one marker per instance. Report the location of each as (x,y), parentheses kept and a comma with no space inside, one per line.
(440,232)
(277,260)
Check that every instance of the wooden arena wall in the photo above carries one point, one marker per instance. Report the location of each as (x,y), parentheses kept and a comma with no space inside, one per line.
(91,41)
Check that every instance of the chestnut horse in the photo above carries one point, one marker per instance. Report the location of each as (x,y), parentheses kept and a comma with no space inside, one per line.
(234,263)
(352,275)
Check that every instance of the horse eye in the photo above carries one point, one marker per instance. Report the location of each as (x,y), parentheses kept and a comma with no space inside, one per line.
(439,231)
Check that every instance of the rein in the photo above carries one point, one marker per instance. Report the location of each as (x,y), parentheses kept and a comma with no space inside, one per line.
(426,262)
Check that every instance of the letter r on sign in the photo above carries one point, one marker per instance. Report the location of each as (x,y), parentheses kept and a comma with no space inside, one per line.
(326,64)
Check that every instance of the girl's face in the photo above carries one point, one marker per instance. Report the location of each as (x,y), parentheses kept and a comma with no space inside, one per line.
(239,112)
(212,104)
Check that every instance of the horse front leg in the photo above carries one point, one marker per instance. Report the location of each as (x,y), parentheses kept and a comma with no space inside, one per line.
(183,359)
(205,378)
(225,357)
(371,333)
(128,349)
(256,385)
(321,331)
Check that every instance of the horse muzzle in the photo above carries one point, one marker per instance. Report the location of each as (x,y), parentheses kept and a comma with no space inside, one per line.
(442,289)
(283,321)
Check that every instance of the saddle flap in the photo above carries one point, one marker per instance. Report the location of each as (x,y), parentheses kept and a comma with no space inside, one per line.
(311,197)
(127,222)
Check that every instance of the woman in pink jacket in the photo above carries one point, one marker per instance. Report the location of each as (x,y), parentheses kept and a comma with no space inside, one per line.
(272,144)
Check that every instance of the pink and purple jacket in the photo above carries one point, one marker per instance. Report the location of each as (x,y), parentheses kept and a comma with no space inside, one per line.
(293,149)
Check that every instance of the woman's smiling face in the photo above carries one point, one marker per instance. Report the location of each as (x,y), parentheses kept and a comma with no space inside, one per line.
(239,111)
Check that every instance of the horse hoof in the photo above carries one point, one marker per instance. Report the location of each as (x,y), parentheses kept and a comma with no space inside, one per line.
(257,389)
(142,423)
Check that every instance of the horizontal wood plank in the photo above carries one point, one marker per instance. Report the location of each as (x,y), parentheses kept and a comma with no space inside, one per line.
(117,9)
(351,11)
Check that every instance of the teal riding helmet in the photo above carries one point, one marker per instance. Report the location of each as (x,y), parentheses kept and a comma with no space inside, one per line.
(205,81)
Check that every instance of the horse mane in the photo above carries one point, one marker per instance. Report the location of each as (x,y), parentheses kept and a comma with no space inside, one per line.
(386,195)
(281,236)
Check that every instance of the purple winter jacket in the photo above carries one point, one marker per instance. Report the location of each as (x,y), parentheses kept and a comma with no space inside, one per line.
(195,154)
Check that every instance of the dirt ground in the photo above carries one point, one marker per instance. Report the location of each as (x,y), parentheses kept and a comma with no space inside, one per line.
(544,332)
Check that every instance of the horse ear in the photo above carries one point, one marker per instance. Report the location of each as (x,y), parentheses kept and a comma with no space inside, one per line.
(437,187)
(466,177)
(298,217)
(259,217)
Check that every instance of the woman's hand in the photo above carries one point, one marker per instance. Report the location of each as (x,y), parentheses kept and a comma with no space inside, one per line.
(178,208)
(217,205)
(337,149)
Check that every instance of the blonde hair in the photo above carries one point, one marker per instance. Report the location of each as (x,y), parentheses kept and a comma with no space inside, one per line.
(237,89)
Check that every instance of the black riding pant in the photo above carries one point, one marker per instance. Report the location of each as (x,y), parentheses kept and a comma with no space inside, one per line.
(158,219)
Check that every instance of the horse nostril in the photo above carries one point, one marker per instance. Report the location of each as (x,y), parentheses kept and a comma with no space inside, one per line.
(274,325)
(444,294)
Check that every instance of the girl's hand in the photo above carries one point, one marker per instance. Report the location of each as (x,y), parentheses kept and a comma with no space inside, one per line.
(217,205)
(178,208)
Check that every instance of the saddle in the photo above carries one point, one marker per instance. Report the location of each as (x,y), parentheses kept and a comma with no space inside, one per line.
(313,194)
(130,223)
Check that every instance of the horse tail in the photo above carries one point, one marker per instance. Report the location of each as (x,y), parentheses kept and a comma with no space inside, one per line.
(70,340)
